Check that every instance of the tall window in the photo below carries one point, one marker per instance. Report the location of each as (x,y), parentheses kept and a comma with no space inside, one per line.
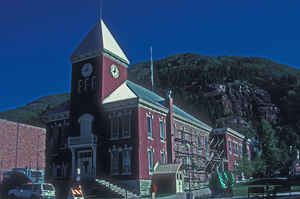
(241,150)
(114,161)
(126,163)
(85,122)
(114,127)
(200,141)
(162,130)
(126,125)
(235,148)
(249,153)
(163,157)
(150,161)
(182,137)
(149,126)
(174,128)
(229,146)
(206,142)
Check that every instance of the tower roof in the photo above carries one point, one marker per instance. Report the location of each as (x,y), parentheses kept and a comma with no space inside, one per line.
(97,40)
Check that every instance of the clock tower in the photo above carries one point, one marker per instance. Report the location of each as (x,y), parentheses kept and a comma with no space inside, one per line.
(99,66)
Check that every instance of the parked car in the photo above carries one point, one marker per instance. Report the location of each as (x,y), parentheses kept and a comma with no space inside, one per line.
(33,191)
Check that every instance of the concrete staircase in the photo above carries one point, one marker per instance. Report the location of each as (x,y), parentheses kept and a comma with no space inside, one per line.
(104,188)
(117,189)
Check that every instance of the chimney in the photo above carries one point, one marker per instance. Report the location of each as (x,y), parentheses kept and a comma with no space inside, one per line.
(170,129)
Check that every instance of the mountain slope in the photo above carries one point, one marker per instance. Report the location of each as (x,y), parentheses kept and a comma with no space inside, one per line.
(236,92)
(30,113)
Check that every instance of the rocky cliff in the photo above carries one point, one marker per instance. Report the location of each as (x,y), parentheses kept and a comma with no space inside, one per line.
(235,92)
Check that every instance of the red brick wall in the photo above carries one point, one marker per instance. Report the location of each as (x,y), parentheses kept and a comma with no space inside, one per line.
(145,143)
(109,84)
(30,150)
(232,156)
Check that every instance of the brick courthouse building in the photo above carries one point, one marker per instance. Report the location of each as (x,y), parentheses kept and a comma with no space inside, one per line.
(21,146)
(115,129)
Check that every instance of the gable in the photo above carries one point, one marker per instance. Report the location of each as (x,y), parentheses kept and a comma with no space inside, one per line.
(121,93)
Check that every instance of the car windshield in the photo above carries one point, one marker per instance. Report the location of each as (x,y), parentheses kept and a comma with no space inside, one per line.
(48,187)
(36,174)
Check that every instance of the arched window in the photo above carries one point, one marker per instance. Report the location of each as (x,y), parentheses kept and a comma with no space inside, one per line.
(85,122)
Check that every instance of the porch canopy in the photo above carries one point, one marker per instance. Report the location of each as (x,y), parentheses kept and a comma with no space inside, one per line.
(168,178)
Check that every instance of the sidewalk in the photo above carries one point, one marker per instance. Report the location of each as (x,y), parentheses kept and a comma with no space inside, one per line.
(293,195)
(279,195)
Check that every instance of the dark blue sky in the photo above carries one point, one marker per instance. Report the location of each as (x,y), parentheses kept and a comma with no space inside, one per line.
(37,37)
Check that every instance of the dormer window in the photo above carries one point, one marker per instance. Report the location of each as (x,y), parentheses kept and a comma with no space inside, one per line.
(85,122)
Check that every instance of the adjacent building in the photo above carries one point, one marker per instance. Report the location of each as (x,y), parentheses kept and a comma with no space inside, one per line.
(21,146)
(231,147)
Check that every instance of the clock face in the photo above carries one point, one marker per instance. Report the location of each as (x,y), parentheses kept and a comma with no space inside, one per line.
(114,71)
(86,70)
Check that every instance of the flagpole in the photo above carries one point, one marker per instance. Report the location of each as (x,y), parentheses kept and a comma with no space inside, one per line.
(151,65)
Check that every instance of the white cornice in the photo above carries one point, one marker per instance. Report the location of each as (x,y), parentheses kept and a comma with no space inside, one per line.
(229,131)
(152,110)
(113,106)
(57,117)
(153,106)
(186,120)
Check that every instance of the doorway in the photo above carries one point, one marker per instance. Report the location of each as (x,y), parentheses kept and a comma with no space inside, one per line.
(85,163)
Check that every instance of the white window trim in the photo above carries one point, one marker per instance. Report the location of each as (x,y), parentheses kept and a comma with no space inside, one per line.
(129,126)
(229,146)
(114,149)
(235,151)
(152,152)
(165,156)
(162,139)
(129,149)
(86,124)
(151,126)
(112,133)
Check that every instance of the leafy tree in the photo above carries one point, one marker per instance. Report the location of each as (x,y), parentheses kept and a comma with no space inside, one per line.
(250,168)
(271,153)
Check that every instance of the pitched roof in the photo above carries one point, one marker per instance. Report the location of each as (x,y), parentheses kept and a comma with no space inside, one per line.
(155,99)
(97,40)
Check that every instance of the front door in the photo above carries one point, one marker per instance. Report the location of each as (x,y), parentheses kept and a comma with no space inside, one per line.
(85,164)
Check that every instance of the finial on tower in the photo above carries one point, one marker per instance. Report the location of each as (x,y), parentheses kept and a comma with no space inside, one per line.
(100,11)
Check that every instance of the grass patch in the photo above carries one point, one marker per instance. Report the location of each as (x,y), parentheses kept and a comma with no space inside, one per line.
(240,190)
(295,188)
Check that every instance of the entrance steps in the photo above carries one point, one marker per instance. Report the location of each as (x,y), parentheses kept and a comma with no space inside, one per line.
(103,188)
